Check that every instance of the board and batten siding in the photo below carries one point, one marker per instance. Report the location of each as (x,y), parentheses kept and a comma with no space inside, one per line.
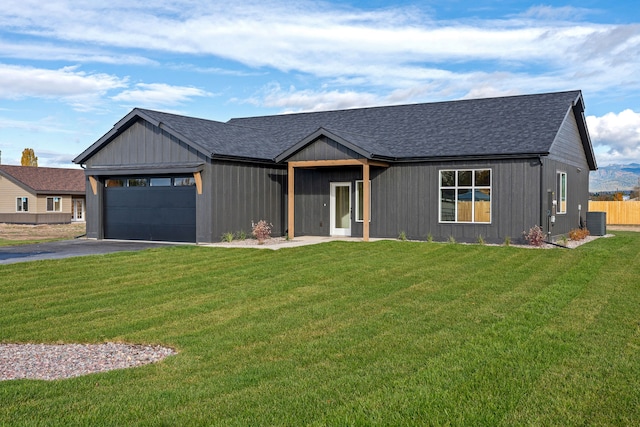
(143,143)
(237,194)
(324,148)
(567,147)
(405,198)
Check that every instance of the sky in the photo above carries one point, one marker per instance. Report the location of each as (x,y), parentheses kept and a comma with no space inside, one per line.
(70,70)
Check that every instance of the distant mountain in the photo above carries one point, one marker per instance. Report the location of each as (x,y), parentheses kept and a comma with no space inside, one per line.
(614,178)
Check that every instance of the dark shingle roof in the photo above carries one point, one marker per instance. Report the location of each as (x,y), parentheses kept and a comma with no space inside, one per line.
(492,126)
(505,126)
(47,180)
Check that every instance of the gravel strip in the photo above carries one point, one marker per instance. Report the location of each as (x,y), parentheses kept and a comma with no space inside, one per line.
(52,362)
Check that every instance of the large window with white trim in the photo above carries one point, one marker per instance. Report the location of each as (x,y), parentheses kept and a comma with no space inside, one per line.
(561,193)
(360,201)
(465,195)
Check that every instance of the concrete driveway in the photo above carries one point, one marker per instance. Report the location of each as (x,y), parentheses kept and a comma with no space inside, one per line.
(70,248)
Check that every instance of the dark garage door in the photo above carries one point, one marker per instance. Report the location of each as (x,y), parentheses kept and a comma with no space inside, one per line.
(150,213)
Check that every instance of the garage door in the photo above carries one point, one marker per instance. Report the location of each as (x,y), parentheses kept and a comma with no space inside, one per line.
(147,212)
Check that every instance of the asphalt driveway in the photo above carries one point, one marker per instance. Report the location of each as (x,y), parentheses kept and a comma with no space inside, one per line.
(70,248)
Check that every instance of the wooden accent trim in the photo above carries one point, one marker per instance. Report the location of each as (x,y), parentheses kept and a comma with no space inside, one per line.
(366,197)
(290,201)
(198,177)
(94,185)
(329,163)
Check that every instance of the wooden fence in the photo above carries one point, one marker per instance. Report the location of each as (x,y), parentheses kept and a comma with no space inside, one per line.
(618,213)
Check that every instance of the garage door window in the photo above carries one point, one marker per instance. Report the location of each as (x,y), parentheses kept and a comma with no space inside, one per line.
(160,182)
(137,182)
(184,181)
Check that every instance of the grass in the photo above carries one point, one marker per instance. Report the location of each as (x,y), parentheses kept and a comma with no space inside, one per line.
(343,333)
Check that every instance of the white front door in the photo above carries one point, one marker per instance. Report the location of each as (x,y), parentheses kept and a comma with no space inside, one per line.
(340,206)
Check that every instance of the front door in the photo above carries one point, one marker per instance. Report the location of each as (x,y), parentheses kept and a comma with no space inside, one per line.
(340,205)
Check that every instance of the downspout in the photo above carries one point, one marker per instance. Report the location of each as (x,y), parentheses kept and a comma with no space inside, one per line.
(542,192)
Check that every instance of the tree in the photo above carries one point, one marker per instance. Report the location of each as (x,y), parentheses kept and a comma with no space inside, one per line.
(617,197)
(29,158)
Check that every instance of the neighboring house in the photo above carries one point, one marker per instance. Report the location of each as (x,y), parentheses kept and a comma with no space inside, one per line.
(463,169)
(37,195)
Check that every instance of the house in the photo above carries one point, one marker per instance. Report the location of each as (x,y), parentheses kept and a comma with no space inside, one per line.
(463,169)
(37,195)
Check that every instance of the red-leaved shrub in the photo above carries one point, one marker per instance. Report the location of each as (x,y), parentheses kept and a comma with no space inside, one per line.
(261,230)
(535,236)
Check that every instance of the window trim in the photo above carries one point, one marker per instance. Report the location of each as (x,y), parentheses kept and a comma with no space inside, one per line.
(358,200)
(473,187)
(561,196)
(53,204)
(23,201)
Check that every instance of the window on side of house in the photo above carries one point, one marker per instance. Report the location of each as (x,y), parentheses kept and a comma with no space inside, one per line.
(465,196)
(22,204)
(562,193)
(54,204)
(360,201)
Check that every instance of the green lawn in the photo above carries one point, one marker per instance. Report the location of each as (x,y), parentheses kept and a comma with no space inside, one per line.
(384,333)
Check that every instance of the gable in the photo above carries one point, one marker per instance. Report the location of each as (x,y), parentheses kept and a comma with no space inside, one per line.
(568,147)
(143,143)
(324,148)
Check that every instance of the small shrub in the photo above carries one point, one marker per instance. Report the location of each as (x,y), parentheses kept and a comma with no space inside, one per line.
(241,235)
(507,240)
(535,236)
(429,238)
(578,234)
(563,239)
(451,239)
(227,237)
(261,230)
(402,236)
(481,240)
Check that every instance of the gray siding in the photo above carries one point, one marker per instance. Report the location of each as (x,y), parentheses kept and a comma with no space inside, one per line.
(405,198)
(324,149)
(144,143)
(235,194)
(567,147)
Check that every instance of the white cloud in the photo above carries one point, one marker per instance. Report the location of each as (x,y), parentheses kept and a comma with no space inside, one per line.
(75,87)
(616,136)
(158,94)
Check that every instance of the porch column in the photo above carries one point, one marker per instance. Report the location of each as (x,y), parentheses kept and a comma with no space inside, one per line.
(366,197)
(290,201)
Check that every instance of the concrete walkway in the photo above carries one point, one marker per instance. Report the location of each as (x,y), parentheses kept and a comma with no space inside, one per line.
(281,243)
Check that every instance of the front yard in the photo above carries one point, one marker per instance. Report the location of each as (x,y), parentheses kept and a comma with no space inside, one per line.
(342,333)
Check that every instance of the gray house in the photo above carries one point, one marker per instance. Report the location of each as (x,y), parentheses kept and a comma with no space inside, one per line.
(484,167)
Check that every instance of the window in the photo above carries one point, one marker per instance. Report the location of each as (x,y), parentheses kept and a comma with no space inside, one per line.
(160,182)
(562,193)
(22,204)
(184,181)
(360,201)
(54,204)
(465,195)
(137,182)
(114,182)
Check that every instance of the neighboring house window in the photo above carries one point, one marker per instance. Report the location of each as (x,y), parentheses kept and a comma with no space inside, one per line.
(360,201)
(54,204)
(465,195)
(562,193)
(22,204)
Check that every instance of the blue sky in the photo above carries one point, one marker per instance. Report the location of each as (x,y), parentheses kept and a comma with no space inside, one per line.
(69,70)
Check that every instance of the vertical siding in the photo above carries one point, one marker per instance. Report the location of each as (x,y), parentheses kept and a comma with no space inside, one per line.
(405,197)
(567,147)
(144,143)
(324,149)
(239,193)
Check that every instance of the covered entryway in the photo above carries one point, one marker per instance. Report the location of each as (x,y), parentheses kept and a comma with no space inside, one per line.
(161,212)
